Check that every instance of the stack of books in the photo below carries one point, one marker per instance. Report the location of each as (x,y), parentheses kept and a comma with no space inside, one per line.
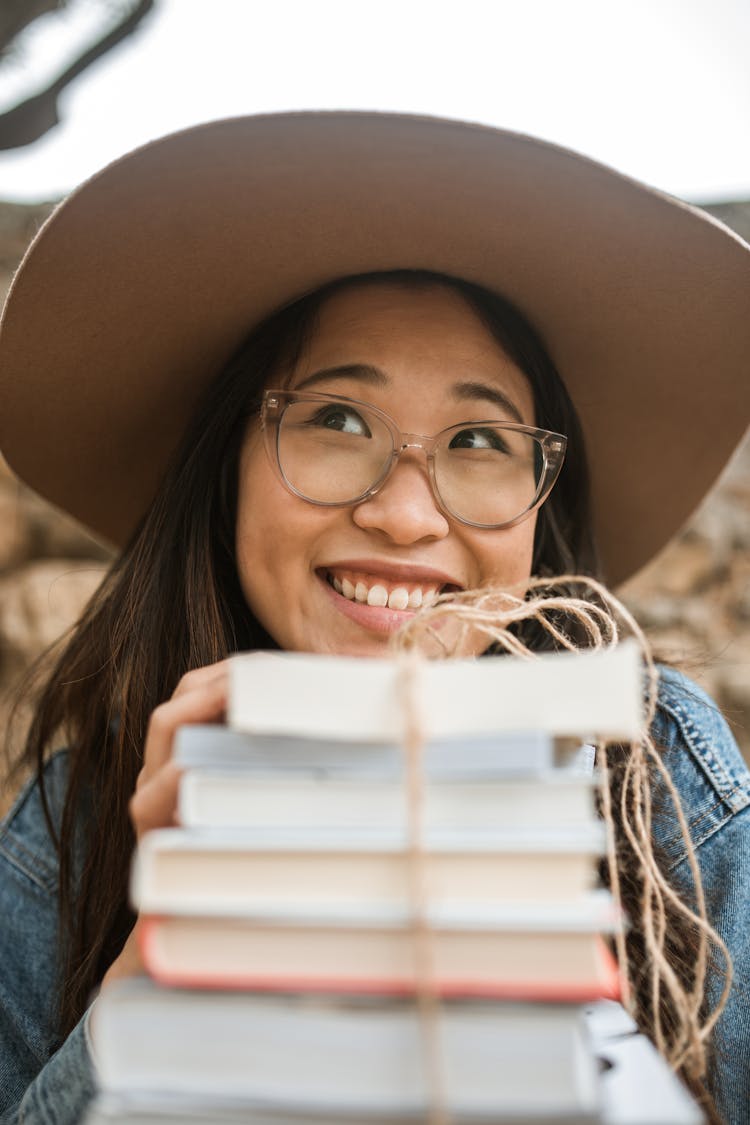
(345,930)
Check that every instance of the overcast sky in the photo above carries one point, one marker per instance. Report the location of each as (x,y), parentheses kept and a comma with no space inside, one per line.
(660,89)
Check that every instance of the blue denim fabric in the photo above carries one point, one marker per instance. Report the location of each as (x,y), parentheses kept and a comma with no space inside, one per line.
(714,785)
(38,1087)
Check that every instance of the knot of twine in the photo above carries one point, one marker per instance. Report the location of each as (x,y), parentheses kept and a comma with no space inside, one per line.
(590,619)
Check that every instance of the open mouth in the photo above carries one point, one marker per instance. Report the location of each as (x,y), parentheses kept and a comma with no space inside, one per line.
(378,592)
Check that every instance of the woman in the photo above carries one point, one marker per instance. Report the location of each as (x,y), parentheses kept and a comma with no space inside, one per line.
(367,255)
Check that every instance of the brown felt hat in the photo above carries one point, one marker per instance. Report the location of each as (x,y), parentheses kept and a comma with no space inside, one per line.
(144,281)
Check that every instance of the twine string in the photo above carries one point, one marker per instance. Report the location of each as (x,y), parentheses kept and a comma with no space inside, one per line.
(595,619)
(427,996)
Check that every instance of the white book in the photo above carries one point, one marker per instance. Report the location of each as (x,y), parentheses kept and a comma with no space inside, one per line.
(635,1084)
(342,698)
(263,800)
(638,1087)
(243,871)
(335,1058)
(499,755)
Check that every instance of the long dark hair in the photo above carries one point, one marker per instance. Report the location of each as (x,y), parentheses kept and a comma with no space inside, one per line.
(172,602)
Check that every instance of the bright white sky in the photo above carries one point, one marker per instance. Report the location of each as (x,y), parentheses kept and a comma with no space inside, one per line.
(660,89)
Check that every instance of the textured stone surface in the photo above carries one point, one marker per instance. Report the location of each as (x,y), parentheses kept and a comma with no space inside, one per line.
(39,601)
(693,601)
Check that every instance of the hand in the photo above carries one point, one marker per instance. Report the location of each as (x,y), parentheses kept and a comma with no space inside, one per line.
(200,697)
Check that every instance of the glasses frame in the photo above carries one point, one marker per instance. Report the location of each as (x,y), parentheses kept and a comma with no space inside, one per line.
(275,403)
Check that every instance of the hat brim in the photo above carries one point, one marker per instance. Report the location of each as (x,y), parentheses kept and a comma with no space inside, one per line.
(144,281)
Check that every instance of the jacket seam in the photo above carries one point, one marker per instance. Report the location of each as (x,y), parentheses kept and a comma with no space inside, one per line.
(30,863)
(724,783)
(721,800)
(700,839)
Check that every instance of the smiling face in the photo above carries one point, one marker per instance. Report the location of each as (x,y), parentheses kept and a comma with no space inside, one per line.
(342,580)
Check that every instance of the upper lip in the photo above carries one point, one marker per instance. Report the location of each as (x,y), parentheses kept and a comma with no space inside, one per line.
(397,572)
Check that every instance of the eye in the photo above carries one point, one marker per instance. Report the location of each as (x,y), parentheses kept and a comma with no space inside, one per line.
(479,437)
(344,419)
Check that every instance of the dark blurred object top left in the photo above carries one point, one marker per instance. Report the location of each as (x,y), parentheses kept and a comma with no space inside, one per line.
(37,111)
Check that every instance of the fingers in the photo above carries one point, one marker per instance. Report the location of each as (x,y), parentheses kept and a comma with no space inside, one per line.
(154,803)
(200,697)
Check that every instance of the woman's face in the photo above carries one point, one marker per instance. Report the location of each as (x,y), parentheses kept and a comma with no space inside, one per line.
(294,557)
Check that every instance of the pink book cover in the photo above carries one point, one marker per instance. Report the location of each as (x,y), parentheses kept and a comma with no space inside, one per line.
(603,984)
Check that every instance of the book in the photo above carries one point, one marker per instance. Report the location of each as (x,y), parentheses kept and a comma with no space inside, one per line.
(226,798)
(520,951)
(344,699)
(483,757)
(318,903)
(638,1087)
(290,894)
(251,871)
(288,943)
(129,1110)
(336,1058)
(633,1083)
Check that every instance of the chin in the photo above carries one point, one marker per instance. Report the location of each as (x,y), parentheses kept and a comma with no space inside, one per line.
(377,647)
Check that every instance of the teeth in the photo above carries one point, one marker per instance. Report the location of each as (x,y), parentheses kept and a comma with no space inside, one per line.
(398,598)
(346,588)
(377,595)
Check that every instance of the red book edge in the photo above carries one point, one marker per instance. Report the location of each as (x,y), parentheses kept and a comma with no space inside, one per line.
(605,985)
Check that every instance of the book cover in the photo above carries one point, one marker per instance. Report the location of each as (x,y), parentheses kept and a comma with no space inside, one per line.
(482,757)
(334,1058)
(510,956)
(249,871)
(339,698)
(216,798)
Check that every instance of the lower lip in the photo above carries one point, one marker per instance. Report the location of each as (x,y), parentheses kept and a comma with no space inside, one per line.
(378,619)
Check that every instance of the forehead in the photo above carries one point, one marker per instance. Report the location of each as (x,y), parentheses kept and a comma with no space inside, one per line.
(428,336)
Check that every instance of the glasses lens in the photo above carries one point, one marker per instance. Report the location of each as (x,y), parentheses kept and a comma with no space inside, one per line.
(488,474)
(332,452)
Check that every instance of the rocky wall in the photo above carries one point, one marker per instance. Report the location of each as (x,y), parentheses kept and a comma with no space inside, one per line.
(694,600)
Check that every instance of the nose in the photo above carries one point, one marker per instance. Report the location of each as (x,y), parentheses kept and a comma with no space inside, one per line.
(404,509)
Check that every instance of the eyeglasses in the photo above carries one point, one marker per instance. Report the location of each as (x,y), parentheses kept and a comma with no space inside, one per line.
(336,451)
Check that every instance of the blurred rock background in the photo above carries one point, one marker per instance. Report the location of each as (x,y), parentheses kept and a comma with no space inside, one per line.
(49,566)
(694,600)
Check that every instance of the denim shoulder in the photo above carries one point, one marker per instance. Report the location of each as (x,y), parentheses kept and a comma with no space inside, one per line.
(29,933)
(713,783)
(25,840)
(703,761)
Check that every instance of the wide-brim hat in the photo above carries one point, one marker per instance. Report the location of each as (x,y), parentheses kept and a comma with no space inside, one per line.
(144,281)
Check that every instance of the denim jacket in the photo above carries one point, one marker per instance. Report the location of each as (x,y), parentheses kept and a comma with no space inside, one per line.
(39,1087)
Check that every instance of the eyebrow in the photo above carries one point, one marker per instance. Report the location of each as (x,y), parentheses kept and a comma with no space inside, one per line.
(466,391)
(363,371)
(476,392)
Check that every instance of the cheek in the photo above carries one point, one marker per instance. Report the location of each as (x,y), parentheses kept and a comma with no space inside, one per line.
(275,539)
(501,559)
(504,558)
(260,496)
